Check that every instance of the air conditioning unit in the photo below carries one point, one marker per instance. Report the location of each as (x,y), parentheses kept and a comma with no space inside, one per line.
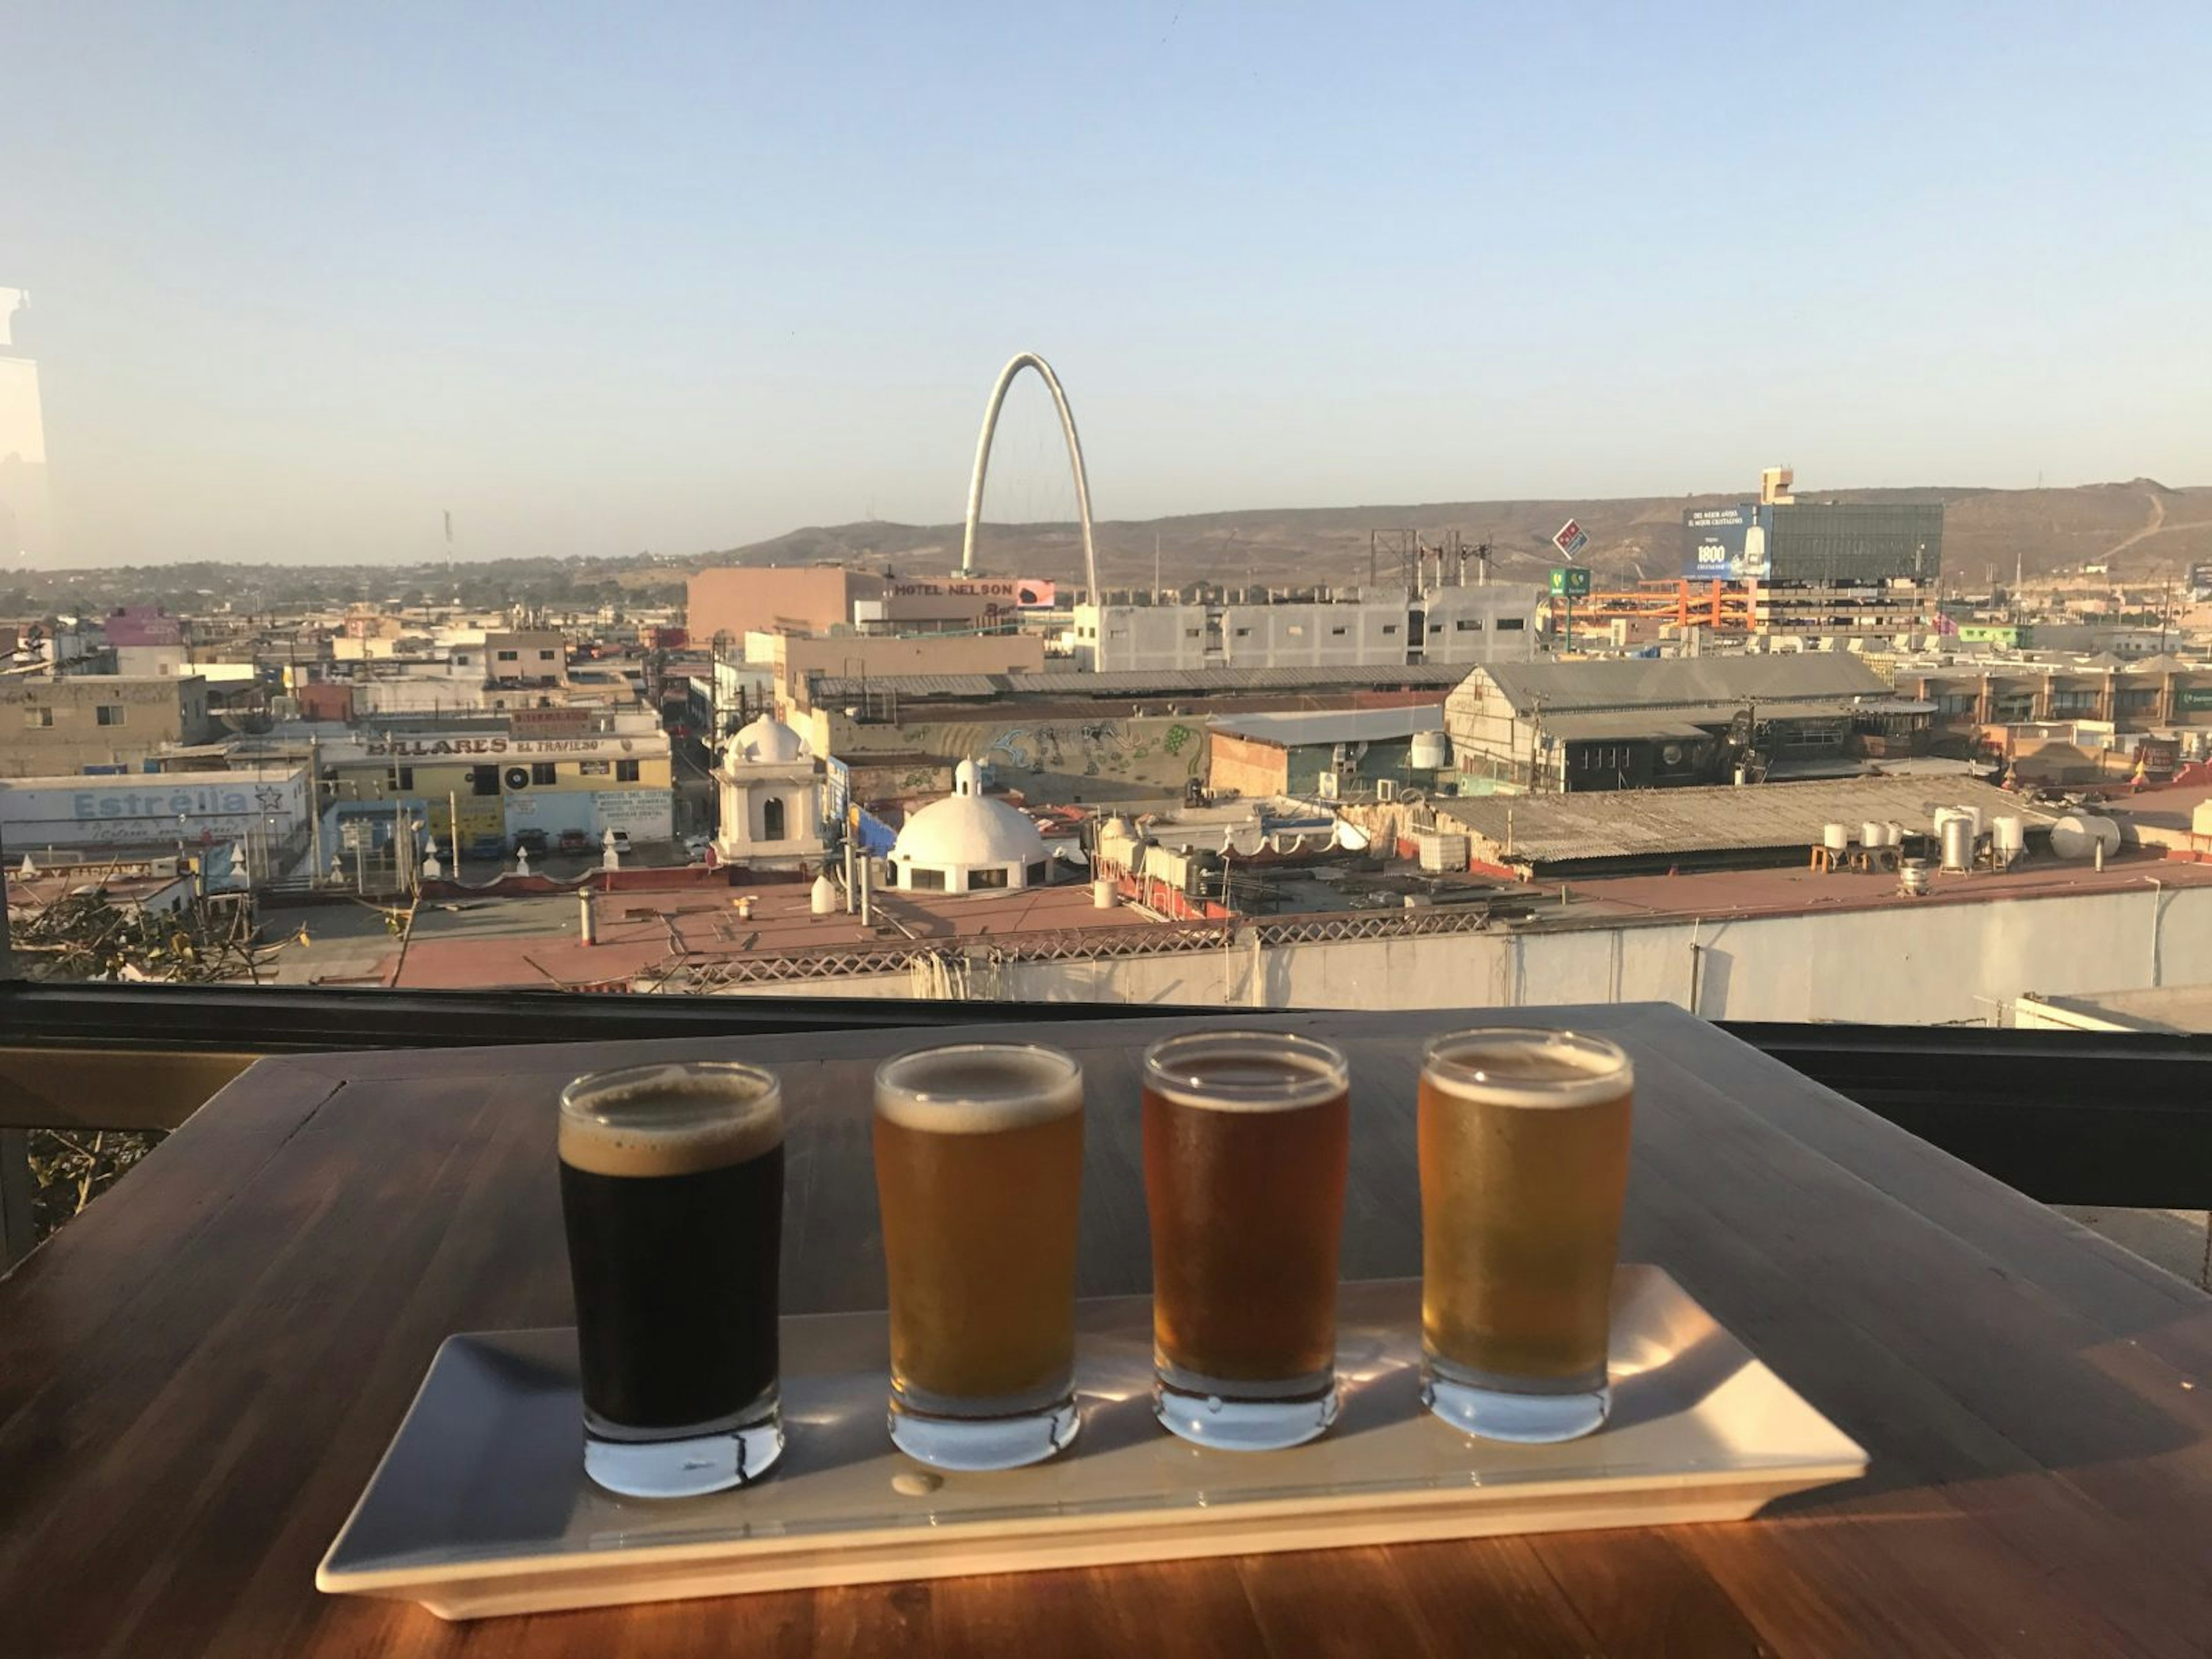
(1386,789)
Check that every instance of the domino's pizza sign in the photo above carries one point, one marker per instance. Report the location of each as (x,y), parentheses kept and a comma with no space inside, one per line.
(1569,539)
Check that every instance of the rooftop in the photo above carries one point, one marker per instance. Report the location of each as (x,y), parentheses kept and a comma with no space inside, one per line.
(1708,895)
(2176,1008)
(1684,681)
(1538,829)
(1298,731)
(1133,682)
(535,942)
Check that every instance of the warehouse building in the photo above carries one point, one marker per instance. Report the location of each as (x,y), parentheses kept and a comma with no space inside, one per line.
(1575,725)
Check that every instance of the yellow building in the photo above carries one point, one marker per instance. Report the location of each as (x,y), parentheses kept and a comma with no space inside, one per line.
(501,786)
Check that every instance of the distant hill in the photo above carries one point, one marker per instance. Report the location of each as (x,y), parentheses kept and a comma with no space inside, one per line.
(2143,526)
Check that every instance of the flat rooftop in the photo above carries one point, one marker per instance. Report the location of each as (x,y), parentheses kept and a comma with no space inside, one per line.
(1603,824)
(1301,730)
(2171,1008)
(537,941)
(1728,894)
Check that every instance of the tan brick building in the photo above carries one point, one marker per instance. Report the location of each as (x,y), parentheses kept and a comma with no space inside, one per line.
(49,727)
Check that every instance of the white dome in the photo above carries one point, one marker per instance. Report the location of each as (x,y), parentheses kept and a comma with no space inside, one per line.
(767,742)
(966,832)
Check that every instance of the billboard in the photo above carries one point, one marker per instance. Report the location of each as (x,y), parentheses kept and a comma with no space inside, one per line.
(1724,544)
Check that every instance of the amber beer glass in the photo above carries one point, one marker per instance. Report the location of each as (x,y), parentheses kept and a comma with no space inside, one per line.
(672,1186)
(979,1172)
(1524,1165)
(1246,1137)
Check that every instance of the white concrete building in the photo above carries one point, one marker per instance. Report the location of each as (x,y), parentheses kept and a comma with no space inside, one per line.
(770,791)
(968,843)
(1493,622)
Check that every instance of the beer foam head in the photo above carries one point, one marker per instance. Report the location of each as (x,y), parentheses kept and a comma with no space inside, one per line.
(1245,1071)
(1513,1065)
(971,1088)
(670,1120)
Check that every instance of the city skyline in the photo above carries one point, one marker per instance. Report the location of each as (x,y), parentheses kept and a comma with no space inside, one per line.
(690,282)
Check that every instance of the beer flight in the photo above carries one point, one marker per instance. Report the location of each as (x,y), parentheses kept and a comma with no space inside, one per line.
(671,1185)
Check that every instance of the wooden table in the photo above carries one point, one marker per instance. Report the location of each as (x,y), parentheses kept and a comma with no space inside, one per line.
(197,1377)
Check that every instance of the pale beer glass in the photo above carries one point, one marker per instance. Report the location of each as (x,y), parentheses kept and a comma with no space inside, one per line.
(1524,1148)
(1246,1135)
(671,1188)
(979,1175)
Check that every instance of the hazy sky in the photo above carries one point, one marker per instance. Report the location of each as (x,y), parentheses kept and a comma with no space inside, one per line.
(677,277)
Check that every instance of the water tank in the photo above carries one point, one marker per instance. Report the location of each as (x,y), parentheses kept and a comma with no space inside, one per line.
(1444,850)
(2076,836)
(1118,843)
(2008,836)
(1872,835)
(1430,753)
(1894,834)
(822,901)
(1835,837)
(1104,894)
(1956,835)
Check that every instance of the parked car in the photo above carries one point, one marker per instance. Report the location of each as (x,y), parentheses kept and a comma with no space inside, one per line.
(485,846)
(536,842)
(575,841)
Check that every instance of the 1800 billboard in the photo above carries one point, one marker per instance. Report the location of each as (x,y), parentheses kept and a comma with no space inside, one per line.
(1724,543)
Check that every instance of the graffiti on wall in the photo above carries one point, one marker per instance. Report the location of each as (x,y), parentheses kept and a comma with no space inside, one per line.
(1092,749)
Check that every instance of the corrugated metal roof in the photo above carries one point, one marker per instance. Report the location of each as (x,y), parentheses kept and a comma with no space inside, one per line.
(1657,823)
(1619,724)
(1684,681)
(1298,731)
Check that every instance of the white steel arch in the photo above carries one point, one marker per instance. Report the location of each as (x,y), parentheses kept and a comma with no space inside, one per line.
(1023,359)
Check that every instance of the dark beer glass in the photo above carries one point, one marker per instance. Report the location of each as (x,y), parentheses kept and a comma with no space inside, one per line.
(671,1185)
(1247,1136)
(979,1174)
(1524,1138)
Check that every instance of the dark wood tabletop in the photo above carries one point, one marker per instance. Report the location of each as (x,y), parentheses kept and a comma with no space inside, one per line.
(197,1377)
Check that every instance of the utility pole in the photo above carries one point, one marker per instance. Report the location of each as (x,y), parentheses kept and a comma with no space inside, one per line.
(315,807)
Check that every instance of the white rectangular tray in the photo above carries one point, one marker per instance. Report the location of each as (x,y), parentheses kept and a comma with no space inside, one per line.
(481,1506)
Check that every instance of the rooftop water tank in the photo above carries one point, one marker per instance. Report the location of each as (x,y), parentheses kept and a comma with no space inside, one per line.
(1955,835)
(1835,837)
(2076,836)
(1442,850)
(2008,836)
(822,901)
(1431,751)
(1871,835)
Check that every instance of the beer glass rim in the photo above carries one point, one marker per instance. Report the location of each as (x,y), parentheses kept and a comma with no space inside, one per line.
(697,1092)
(1315,1071)
(1607,1068)
(1062,1066)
